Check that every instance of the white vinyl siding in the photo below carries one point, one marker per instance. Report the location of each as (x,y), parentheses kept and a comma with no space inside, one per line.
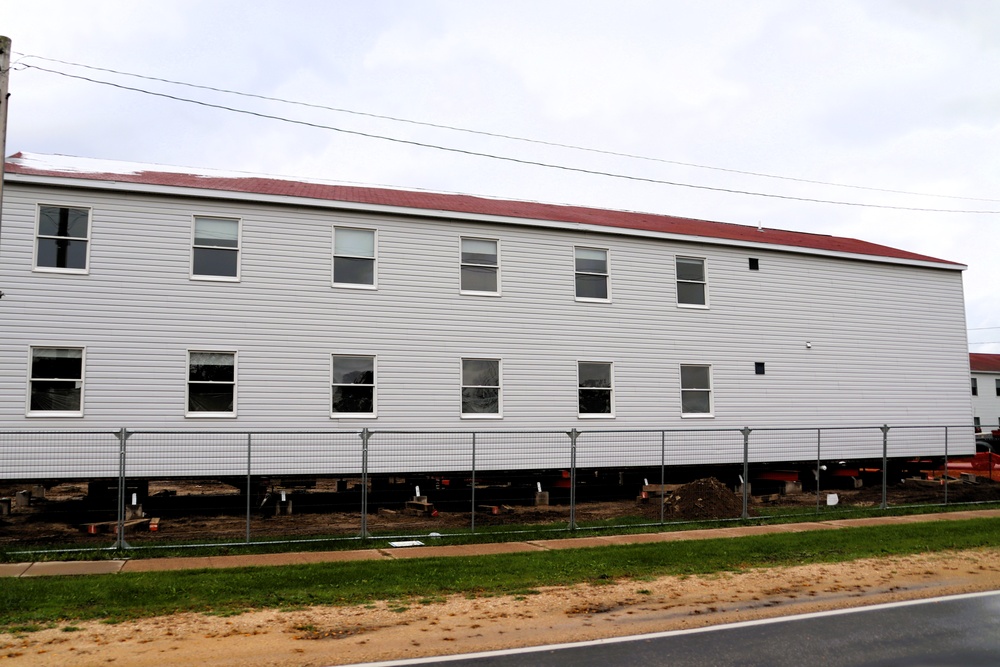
(354,257)
(63,239)
(55,382)
(215,249)
(986,402)
(140,313)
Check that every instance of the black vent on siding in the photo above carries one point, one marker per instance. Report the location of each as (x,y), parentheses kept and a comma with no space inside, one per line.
(758,367)
(754,264)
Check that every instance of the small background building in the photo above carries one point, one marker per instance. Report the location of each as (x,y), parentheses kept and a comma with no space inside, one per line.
(986,390)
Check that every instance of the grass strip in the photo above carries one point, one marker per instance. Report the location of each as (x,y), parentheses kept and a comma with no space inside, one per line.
(36,602)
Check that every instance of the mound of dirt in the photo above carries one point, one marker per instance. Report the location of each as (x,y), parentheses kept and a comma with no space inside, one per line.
(703,499)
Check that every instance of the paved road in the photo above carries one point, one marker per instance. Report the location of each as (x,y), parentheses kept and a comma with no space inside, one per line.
(959,631)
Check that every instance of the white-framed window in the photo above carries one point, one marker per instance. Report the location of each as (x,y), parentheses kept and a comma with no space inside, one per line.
(480,266)
(592,274)
(595,385)
(481,392)
(211,385)
(62,240)
(55,381)
(352,386)
(975,387)
(215,248)
(354,257)
(998,387)
(696,390)
(692,284)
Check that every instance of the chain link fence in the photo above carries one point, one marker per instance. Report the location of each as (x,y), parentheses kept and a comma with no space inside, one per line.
(145,489)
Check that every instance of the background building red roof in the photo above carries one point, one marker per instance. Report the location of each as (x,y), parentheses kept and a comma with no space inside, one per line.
(984,363)
(30,165)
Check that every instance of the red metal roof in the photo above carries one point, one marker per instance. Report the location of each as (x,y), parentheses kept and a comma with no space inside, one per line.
(985,363)
(20,163)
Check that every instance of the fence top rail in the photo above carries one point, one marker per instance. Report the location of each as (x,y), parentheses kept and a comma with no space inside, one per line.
(11,431)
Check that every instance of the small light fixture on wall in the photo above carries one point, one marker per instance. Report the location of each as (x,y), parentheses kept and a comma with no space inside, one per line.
(808,345)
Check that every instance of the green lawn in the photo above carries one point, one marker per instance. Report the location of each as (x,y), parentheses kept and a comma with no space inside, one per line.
(31,603)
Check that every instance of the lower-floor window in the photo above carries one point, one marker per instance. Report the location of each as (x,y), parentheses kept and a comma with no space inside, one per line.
(56,382)
(480,387)
(595,389)
(353,386)
(696,390)
(211,385)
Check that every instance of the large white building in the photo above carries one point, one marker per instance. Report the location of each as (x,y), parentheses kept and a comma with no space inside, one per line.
(986,391)
(161,298)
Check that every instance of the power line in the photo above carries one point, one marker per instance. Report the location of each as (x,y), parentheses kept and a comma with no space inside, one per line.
(501,135)
(983,328)
(547,165)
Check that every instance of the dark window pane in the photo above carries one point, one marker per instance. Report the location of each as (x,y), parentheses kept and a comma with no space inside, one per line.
(480,400)
(479,279)
(49,395)
(62,254)
(62,221)
(595,402)
(210,397)
(212,262)
(591,287)
(212,367)
(696,377)
(353,370)
(354,399)
(691,269)
(354,271)
(62,364)
(691,293)
(595,375)
(695,402)
(481,372)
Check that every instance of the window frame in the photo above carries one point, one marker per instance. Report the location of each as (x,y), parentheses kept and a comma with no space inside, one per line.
(607,275)
(462,264)
(975,386)
(611,389)
(197,414)
(374,387)
(373,258)
(30,379)
(238,249)
(703,282)
(38,236)
(710,391)
(463,386)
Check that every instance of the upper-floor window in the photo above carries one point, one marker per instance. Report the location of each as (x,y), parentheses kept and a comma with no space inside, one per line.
(55,383)
(480,387)
(592,274)
(975,387)
(353,257)
(692,287)
(480,266)
(998,387)
(595,389)
(63,240)
(353,386)
(696,391)
(215,250)
(211,387)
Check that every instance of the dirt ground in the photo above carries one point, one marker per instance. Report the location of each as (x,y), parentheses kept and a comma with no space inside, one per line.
(412,628)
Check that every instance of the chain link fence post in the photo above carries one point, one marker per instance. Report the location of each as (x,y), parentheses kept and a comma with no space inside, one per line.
(746,430)
(123,436)
(946,473)
(885,464)
(819,463)
(572,479)
(249,484)
(365,437)
(663,475)
(472,508)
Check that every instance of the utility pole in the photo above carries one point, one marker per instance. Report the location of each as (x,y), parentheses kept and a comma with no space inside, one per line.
(4,96)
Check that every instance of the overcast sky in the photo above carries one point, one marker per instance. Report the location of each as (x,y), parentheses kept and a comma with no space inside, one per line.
(897,95)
